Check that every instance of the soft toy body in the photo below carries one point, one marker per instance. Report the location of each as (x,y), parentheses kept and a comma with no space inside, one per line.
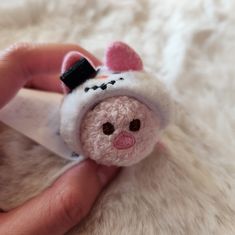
(115,113)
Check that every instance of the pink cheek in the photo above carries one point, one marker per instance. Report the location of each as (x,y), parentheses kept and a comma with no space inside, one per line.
(124,140)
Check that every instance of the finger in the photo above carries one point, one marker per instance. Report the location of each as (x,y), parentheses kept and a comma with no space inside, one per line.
(61,206)
(21,62)
(45,83)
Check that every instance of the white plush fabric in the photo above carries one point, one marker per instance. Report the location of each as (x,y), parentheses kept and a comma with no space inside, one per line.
(188,187)
(144,86)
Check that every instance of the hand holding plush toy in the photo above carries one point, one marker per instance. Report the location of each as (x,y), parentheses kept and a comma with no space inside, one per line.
(115,113)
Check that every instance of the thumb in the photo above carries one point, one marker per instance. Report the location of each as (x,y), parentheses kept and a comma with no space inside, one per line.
(61,206)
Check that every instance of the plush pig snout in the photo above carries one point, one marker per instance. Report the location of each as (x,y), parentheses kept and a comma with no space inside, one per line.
(124,140)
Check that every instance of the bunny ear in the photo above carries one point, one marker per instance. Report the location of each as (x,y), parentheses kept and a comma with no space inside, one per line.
(76,69)
(72,57)
(120,57)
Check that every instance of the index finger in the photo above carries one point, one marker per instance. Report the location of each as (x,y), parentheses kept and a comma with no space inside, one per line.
(22,62)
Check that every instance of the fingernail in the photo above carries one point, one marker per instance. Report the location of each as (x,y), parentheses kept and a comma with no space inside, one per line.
(106,173)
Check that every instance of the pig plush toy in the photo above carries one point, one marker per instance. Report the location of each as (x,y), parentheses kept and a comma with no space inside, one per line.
(114,113)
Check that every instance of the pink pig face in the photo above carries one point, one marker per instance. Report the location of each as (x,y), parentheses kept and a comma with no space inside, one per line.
(119,131)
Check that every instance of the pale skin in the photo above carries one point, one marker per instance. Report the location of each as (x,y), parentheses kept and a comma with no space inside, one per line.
(70,198)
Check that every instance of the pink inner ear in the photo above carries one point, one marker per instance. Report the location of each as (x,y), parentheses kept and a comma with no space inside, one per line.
(69,60)
(72,57)
(120,57)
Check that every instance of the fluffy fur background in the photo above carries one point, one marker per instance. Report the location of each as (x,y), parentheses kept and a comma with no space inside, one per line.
(188,187)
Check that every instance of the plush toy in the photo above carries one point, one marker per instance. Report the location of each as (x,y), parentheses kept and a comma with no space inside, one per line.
(114,113)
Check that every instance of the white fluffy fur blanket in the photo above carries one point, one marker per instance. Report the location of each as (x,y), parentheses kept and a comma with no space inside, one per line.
(186,188)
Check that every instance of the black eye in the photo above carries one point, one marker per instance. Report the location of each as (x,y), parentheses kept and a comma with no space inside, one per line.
(135,125)
(108,128)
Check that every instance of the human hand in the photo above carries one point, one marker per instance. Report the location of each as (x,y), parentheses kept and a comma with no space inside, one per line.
(70,198)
